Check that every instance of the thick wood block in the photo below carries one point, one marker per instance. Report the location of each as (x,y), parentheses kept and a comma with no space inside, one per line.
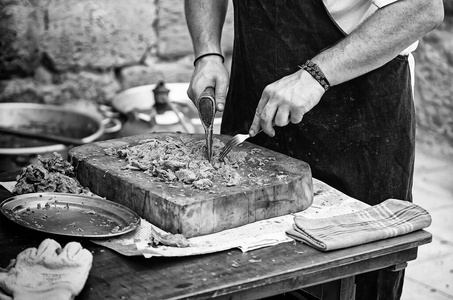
(280,185)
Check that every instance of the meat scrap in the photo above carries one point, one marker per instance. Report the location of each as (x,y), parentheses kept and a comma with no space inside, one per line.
(52,174)
(168,239)
(183,160)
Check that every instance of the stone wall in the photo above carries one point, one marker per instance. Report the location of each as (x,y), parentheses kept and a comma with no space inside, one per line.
(434,86)
(60,51)
(56,51)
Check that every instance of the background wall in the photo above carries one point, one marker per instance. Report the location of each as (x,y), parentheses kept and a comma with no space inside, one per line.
(59,51)
(434,86)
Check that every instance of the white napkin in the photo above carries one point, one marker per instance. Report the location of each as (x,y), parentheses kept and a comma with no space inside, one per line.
(388,219)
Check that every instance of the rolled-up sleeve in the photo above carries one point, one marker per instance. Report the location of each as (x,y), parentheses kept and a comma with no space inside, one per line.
(382,3)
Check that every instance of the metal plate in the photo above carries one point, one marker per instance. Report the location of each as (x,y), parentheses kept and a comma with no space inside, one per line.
(70,214)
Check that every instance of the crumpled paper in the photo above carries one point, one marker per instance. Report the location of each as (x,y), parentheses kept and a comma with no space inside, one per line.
(326,202)
(248,237)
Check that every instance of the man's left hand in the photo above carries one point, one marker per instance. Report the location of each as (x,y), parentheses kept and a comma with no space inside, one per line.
(286,100)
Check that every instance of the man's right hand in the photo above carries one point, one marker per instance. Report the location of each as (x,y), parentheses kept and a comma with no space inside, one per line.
(209,71)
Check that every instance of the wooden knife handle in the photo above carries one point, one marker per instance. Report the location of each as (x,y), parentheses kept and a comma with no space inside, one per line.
(206,106)
(209,92)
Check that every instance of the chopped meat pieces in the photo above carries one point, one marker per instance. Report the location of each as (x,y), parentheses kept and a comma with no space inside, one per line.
(203,184)
(168,239)
(183,160)
(186,175)
(52,174)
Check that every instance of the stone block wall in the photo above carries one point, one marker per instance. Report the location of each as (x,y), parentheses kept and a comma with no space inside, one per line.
(60,51)
(57,51)
(434,86)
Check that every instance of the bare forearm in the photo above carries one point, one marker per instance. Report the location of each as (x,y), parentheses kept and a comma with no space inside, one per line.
(205,20)
(379,39)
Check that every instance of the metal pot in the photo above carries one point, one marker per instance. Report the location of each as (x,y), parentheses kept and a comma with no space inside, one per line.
(17,151)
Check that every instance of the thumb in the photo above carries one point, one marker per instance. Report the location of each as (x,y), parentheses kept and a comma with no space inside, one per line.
(221,90)
(255,128)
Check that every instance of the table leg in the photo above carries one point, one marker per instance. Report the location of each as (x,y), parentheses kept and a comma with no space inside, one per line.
(398,267)
(341,289)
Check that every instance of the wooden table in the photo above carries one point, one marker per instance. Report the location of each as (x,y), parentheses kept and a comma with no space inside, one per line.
(228,274)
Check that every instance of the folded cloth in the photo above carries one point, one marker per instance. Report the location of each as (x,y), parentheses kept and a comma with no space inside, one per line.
(387,219)
(46,273)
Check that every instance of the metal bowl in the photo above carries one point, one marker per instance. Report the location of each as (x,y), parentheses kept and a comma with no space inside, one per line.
(17,151)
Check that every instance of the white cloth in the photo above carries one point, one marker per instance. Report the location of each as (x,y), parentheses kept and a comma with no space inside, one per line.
(348,14)
(47,272)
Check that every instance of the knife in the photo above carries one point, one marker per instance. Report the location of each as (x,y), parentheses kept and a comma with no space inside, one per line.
(206,112)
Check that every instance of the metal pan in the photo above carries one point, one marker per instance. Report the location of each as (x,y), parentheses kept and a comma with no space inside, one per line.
(70,214)
(79,122)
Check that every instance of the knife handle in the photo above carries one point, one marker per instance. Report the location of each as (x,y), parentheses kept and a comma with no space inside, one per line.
(209,92)
(206,107)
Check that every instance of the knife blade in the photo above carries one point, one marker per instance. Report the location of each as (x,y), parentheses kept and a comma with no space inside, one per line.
(206,112)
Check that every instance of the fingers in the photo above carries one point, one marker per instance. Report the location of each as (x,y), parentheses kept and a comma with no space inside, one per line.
(209,73)
(85,256)
(282,117)
(49,248)
(221,89)
(75,252)
(264,116)
(296,116)
(194,92)
(71,250)
(256,123)
(269,113)
(268,119)
(282,102)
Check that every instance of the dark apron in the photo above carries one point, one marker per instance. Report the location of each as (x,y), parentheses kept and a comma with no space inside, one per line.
(360,137)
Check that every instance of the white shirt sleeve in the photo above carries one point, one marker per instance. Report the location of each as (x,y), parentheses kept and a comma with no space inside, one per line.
(348,14)
(382,3)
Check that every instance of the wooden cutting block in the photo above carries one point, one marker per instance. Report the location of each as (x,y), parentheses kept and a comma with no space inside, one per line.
(272,185)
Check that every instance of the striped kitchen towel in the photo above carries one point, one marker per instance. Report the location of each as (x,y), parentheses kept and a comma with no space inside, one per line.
(387,219)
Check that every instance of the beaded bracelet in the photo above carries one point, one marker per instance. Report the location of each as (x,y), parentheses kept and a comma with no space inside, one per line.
(207,54)
(316,73)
